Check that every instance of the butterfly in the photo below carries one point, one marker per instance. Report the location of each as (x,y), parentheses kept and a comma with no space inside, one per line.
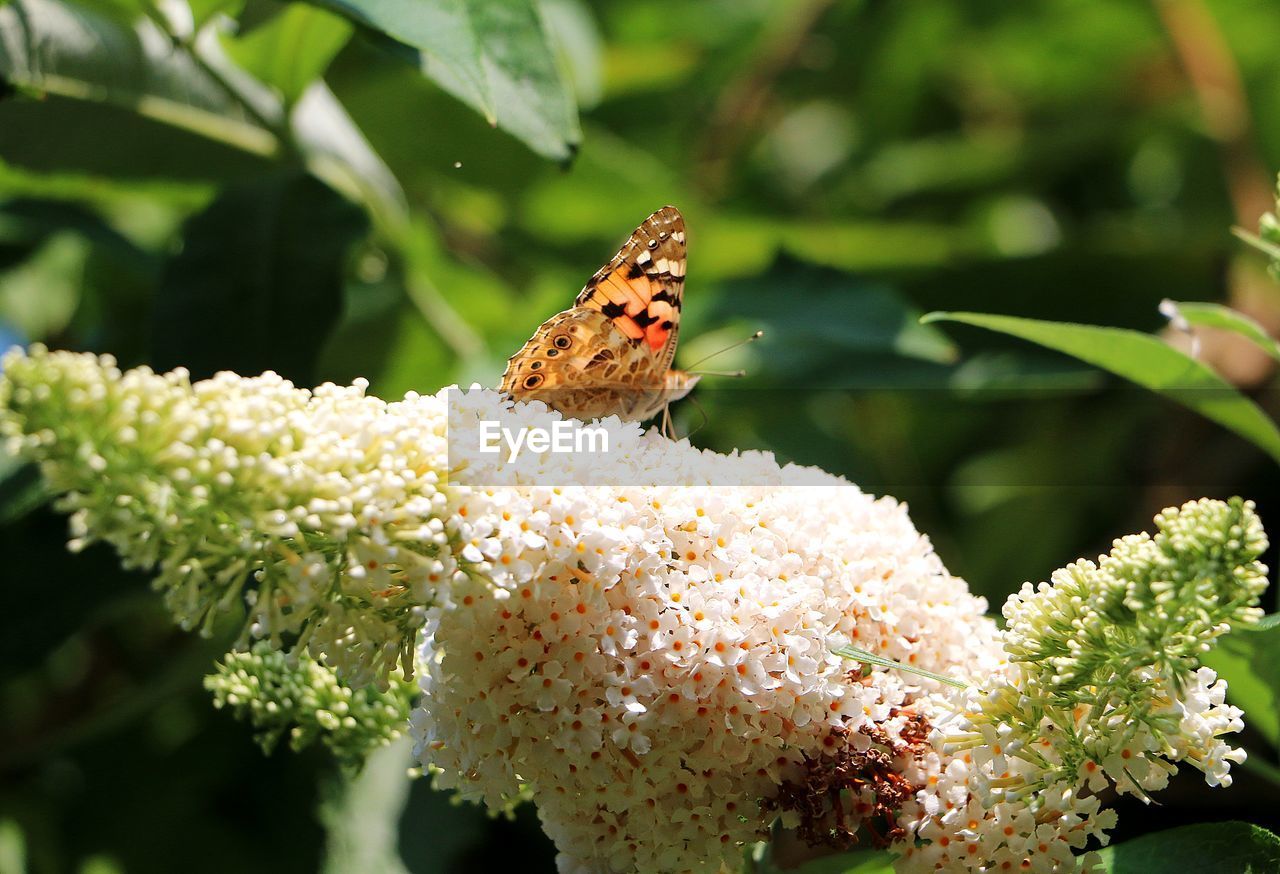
(611,352)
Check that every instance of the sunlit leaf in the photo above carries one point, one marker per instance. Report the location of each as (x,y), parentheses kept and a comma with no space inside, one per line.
(204,10)
(1145,360)
(258,283)
(334,149)
(83,188)
(125,11)
(646,67)
(1265,246)
(194,87)
(1249,660)
(494,55)
(292,49)
(13,846)
(1214,315)
(441,33)
(1239,847)
(50,47)
(578,46)
(1001,374)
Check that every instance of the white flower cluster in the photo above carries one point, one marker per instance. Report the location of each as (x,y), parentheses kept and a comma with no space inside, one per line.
(645,642)
(979,808)
(1091,703)
(329,501)
(652,661)
(966,818)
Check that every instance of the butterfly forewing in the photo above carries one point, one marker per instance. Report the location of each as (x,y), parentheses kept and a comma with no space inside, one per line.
(642,288)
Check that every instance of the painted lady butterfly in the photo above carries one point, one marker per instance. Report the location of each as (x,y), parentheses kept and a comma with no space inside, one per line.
(611,352)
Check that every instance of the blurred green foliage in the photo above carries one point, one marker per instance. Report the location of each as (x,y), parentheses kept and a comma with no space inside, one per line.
(403,191)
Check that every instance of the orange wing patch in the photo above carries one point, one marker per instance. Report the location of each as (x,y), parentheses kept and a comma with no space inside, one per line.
(642,288)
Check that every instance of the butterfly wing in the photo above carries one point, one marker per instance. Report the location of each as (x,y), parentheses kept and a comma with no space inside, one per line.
(579,364)
(611,353)
(641,289)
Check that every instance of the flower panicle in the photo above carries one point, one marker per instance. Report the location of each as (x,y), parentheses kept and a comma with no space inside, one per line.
(322,509)
(296,696)
(1268,238)
(1108,685)
(1153,602)
(1104,689)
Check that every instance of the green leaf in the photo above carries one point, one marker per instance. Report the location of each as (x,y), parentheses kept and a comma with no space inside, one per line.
(22,490)
(862,320)
(494,55)
(137,81)
(1249,660)
(40,295)
(335,150)
(1213,315)
(1238,847)
(292,49)
(579,47)
(856,862)
(33,220)
(1266,623)
(442,36)
(1145,360)
(258,283)
(128,154)
(124,11)
(531,100)
(203,11)
(1257,763)
(55,48)
(99,190)
(13,846)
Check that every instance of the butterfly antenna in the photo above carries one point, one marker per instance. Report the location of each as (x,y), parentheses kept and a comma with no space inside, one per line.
(756,336)
(731,373)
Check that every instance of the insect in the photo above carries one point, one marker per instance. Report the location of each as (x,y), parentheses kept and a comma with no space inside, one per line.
(611,352)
